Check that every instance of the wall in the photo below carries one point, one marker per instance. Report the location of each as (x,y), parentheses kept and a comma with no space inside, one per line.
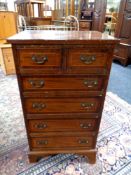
(11,5)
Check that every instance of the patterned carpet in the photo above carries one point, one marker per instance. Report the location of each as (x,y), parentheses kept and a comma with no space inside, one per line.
(113,144)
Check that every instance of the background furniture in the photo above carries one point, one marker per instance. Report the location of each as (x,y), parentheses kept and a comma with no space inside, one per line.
(8,27)
(6,59)
(123,31)
(99,15)
(8,24)
(91,15)
(26,8)
(62,78)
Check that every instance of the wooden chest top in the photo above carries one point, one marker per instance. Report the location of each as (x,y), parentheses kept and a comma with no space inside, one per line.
(62,37)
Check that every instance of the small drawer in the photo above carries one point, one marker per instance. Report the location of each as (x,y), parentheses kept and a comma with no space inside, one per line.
(85,25)
(40,58)
(54,142)
(44,106)
(63,83)
(62,125)
(83,61)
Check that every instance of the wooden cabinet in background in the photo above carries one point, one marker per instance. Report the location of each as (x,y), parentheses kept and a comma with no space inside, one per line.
(32,10)
(94,18)
(123,31)
(27,8)
(6,59)
(8,24)
(99,15)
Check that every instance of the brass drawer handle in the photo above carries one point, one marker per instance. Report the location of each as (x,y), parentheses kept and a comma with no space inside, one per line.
(40,60)
(85,125)
(40,126)
(83,141)
(90,83)
(87,59)
(37,84)
(87,105)
(38,106)
(42,142)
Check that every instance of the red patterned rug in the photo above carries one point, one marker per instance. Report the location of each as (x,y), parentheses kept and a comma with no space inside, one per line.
(113,144)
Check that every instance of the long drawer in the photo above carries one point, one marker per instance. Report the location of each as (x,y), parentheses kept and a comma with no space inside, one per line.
(62,125)
(67,105)
(63,83)
(55,142)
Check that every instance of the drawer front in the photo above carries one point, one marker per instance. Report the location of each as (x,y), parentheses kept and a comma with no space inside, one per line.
(84,25)
(40,58)
(83,61)
(82,105)
(61,142)
(62,125)
(64,83)
(121,51)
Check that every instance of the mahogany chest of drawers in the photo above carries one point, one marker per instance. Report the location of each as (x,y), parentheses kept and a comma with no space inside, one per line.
(62,77)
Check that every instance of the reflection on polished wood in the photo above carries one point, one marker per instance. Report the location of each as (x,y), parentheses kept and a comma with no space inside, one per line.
(62,36)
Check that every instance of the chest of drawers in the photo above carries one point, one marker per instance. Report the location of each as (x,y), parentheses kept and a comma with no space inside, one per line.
(62,77)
